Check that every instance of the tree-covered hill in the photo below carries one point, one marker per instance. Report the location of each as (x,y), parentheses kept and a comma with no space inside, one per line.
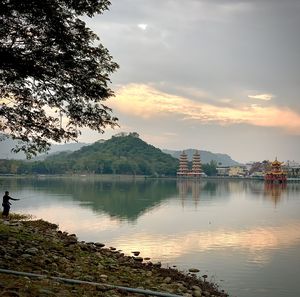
(126,154)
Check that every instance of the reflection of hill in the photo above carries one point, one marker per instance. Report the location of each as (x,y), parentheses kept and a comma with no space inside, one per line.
(129,199)
(123,199)
(126,200)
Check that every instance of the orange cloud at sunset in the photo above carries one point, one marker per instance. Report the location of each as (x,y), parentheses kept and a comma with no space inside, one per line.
(147,102)
(265,97)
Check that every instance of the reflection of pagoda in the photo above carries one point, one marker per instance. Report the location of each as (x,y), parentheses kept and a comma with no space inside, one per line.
(274,191)
(189,188)
(184,171)
(275,174)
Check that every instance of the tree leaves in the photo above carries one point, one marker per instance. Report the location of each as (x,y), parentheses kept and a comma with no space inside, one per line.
(51,69)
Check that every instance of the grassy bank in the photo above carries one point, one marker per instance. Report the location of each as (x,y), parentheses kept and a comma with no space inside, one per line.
(36,246)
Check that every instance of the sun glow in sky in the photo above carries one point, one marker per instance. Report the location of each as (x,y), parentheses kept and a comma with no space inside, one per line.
(142,26)
(146,102)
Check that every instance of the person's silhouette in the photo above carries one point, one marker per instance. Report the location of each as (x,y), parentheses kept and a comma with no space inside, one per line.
(6,204)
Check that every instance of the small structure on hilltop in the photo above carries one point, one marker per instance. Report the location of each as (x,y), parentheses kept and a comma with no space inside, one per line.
(276,174)
(184,171)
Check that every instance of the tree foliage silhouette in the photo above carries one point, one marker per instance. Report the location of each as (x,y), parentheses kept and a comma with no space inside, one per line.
(51,69)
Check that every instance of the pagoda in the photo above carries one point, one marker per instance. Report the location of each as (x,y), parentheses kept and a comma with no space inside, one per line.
(196,168)
(183,165)
(184,171)
(276,174)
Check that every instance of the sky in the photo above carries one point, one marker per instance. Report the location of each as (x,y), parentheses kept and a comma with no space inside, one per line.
(216,75)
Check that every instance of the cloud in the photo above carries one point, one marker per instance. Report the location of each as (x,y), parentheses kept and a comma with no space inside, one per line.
(265,97)
(146,102)
(142,26)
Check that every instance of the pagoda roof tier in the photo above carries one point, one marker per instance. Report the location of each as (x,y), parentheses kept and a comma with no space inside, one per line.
(277,173)
(276,163)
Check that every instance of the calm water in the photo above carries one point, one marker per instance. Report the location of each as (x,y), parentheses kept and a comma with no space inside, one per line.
(245,236)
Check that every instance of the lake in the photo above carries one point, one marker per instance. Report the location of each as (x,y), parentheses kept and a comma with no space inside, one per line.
(243,234)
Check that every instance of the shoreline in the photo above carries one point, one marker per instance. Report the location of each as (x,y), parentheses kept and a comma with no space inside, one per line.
(140,177)
(37,246)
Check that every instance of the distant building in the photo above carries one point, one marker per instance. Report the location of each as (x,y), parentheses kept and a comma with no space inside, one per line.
(124,134)
(258,169)
(223,170)
(258,174)
(184,171)
(292,168)
(238,171)
(121,134)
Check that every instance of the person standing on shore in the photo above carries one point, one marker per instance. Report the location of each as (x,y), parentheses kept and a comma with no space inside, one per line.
(6,204)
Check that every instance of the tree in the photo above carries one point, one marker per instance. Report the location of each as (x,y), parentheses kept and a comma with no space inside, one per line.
(51,69)
(210,169)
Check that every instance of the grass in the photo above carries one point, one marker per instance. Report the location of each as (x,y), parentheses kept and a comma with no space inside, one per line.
(20,217)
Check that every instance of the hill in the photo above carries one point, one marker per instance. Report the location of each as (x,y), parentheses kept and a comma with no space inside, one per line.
(206,157)
(122,154)
(119,155)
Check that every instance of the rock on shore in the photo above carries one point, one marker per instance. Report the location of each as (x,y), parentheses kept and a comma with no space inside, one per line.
(37,246)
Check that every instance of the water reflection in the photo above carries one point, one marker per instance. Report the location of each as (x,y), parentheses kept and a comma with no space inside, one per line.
(123,199)
(205,190)
(128,199)
(274,191)
(257,243)
(187,188)
(234,231)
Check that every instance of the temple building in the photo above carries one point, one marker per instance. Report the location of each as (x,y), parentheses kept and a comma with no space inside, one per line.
(196,167)
(275,174)
(184,171)
(183,165)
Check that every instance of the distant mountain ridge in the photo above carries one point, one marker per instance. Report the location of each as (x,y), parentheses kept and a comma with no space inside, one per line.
(7,144)
(206,157)
(58,148)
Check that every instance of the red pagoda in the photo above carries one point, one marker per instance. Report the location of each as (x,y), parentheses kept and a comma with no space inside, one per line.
(276,174)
